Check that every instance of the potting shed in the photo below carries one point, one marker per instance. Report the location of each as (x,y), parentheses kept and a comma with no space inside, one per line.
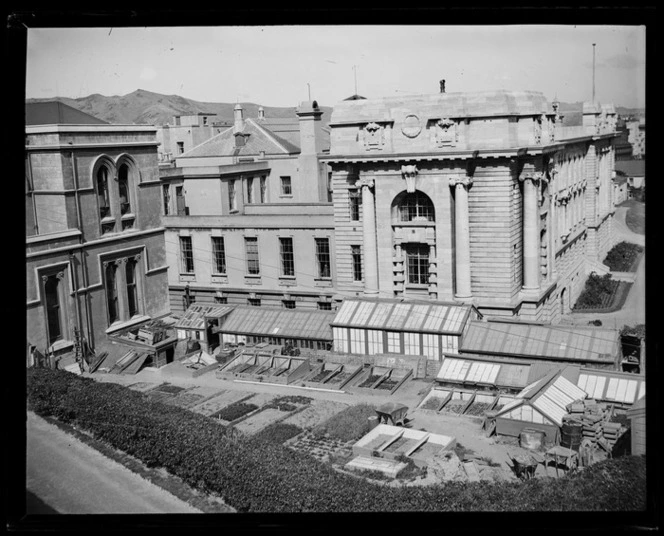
(393,326)
(540,406)
(195,325)
(587,346)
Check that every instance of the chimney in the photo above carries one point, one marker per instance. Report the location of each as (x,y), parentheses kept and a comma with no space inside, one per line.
(442,86)
(311,183)
(309,114)
(261,113)
(239,120)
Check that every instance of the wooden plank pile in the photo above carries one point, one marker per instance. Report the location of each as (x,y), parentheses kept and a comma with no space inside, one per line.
(598,428)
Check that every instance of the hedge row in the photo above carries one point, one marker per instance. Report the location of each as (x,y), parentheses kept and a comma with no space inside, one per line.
(255,476)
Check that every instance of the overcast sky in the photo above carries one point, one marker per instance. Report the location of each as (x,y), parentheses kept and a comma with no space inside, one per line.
(273,65)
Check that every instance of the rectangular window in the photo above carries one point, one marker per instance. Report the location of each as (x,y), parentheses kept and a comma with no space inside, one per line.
(357,341)
(218,255)
(340,339)
(232,203)
(289,304)
(182,210)
(354,200)
(287,258)
(263,189)
(286,186)
(112,292)
(329,187)
(180,147)
(430,346)
(251,251)
(411,342)
(52,297)
(254,302)
(132,291)
(186,255)
(250,190)
(323,257)
(356,252)
(375,339)
(393,342)
(324,306)
(167,197)
(417,256)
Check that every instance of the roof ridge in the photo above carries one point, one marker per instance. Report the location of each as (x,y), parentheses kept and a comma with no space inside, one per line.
(268,133)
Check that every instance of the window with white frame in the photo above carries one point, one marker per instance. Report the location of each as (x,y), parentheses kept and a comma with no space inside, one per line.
(375,341)
(340,339)
(357,341)
(393,342)
(430,346)
(263,189)
(186,255)
(250,190)
(354,201)
(232,201)
(218,255)
(251,252)
(323,262)
(411,343)
(287,257)
(286,188)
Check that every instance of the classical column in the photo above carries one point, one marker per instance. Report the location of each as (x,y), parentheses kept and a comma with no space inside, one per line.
(369,236)
(530,230)
(461,184)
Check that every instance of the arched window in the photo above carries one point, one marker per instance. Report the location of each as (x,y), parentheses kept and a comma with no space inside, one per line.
(416,207)
(123,189)
(102,192)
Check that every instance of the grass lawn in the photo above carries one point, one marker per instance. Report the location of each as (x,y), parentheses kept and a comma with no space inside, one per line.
(636,216)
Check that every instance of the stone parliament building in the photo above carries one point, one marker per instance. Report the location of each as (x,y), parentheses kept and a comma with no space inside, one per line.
(480,198)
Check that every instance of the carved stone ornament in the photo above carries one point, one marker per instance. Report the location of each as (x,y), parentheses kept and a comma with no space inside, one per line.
(365,181)
(412,126)
(409,174)
(446,132)
(537,128)
(374,136)
(462,180)
(534,176)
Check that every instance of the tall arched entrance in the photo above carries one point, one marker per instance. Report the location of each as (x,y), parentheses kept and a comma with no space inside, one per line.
(414,245)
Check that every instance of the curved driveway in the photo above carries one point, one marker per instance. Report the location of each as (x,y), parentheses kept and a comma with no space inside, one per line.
(73,478)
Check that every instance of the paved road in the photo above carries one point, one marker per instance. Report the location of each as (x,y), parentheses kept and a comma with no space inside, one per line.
(73,478)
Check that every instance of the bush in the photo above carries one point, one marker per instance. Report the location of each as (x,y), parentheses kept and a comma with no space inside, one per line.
(349,424)
(254,476)
(622,256)
(287,403)
(278,433)
(235,411)
(598,292)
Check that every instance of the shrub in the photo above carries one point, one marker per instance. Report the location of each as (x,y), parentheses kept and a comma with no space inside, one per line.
(347,425)
(622,256)
(597,293)
(255,476)
(278,433)
(287,403)
(235,411)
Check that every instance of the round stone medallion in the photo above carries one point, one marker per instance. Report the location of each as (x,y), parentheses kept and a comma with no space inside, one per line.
(411,126)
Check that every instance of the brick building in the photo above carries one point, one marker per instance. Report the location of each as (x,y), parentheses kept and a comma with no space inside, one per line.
(95,256)
(480,198)
(249,218)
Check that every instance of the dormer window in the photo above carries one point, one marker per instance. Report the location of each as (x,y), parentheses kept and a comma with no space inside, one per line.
(240,140)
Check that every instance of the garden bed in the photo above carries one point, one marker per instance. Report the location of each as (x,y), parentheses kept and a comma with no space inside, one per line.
(624,257)
(600,293)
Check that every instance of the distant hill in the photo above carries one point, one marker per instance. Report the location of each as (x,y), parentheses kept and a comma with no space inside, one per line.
(147,108)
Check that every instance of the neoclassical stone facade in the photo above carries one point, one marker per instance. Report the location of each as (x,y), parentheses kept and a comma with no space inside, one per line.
(481,198)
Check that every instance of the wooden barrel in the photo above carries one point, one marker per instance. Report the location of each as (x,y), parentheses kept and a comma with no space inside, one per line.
(571,435)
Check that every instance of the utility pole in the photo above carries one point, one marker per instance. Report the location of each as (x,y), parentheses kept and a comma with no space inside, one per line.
(309,90)
(355,74)
(593,73)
